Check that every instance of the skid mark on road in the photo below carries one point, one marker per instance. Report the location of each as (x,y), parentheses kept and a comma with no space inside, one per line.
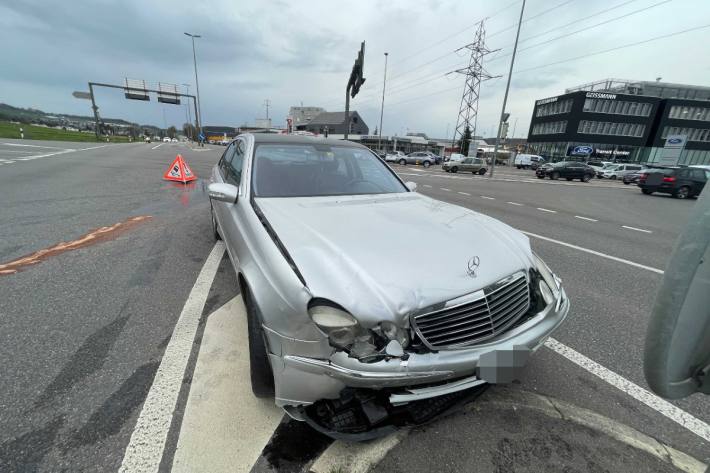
(95,236)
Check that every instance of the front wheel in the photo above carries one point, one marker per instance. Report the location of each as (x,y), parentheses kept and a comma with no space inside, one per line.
(215,231)
(481,172)
(647,191)
(554,176)
(613,178)
(262,378)
(426,164)
(585,178)
(568,178)
(541,176)
(454,169)
(402,162)
(626,183)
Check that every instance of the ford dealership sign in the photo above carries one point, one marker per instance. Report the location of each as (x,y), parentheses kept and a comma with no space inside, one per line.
(582,150)
(674,141)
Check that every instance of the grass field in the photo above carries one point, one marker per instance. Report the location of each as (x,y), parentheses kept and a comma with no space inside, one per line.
(32,132)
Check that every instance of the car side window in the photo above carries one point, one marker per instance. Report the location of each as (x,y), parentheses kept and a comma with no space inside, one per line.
(235,165)
(226,159)
(698,174)
(468,161)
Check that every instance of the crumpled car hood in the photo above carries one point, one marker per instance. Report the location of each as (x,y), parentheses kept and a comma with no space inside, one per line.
(383,257)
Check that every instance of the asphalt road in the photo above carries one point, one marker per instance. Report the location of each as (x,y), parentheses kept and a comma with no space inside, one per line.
(84,328)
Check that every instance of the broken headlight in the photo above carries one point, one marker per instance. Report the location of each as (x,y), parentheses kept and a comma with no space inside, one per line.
(345,333)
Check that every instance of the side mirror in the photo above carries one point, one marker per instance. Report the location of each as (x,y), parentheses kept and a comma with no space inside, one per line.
(223,192)
(412,186)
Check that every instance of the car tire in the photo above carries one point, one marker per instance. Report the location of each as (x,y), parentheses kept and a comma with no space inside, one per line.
(586,178)
(262,378)
(541,177)
(215,231)
(613,177)
(626,183)
(682,193)
(482,171)
(519,167)
(426,164)
(568,178)
(647,191)
(554,176)
(454,169)
(403,162)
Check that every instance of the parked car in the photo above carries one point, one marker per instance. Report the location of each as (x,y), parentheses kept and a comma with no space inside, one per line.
(607,166)
(147,139)
(473,165)
(617,171)
(330,337)
(598,165)
(456,157)
(679,182)
(166,139)
(632,177)
(525,161)
(396,157)
(566,169)
(424,158)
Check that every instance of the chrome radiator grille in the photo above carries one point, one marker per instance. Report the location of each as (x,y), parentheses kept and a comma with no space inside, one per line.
(493,311)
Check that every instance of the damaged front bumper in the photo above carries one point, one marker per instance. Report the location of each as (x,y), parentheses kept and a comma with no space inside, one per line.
(303,380)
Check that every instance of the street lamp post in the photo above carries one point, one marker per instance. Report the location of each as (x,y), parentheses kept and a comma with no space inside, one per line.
(382,108)
(198,119)
(187,109)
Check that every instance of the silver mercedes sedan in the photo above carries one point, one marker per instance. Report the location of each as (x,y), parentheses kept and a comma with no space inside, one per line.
(370,305)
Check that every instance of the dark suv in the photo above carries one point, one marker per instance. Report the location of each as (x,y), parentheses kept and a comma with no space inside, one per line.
(567,169)
(678,182)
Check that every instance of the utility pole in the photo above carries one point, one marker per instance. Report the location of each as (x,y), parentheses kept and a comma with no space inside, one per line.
(505,97)
(198,118)
(515,124)
(187,107)
(95,109)
(382,108)
(475,74)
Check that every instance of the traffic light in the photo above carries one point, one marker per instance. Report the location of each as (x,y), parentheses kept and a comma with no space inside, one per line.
(504,130)
(356,76)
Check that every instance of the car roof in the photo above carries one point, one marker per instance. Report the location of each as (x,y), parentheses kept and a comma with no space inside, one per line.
(277,138)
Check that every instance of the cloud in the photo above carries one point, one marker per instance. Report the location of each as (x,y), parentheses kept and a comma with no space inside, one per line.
(292,52)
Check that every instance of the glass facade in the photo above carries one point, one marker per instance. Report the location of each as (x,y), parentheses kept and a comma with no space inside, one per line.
(590,127)
(549,128)
(690,113)
(554,108)
(687,156)
(561,150)
(693,134)
(618,107)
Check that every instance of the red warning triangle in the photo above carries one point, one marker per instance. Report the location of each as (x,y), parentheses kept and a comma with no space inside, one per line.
(179,171)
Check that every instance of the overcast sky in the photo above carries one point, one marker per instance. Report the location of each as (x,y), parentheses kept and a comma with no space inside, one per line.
(294,52)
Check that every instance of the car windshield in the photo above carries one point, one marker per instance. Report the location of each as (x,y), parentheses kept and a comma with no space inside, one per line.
(318,170)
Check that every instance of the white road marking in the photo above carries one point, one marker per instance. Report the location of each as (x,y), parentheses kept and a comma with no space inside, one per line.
(487,198)
(665,408)
(427,185)
(445,189)
(145,449)
(586,218)
(30,146)
(596,253)
(55,153)
(157,146)
(464,193)
(514,203)
(219,405)
(637,229)
(547,210)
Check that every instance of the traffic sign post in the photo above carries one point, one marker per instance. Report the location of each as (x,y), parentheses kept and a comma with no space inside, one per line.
(354,83)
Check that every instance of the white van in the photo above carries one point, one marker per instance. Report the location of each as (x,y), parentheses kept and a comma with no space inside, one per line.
(524,161)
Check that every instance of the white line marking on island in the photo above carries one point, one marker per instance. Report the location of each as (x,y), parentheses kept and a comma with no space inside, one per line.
(145,449)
